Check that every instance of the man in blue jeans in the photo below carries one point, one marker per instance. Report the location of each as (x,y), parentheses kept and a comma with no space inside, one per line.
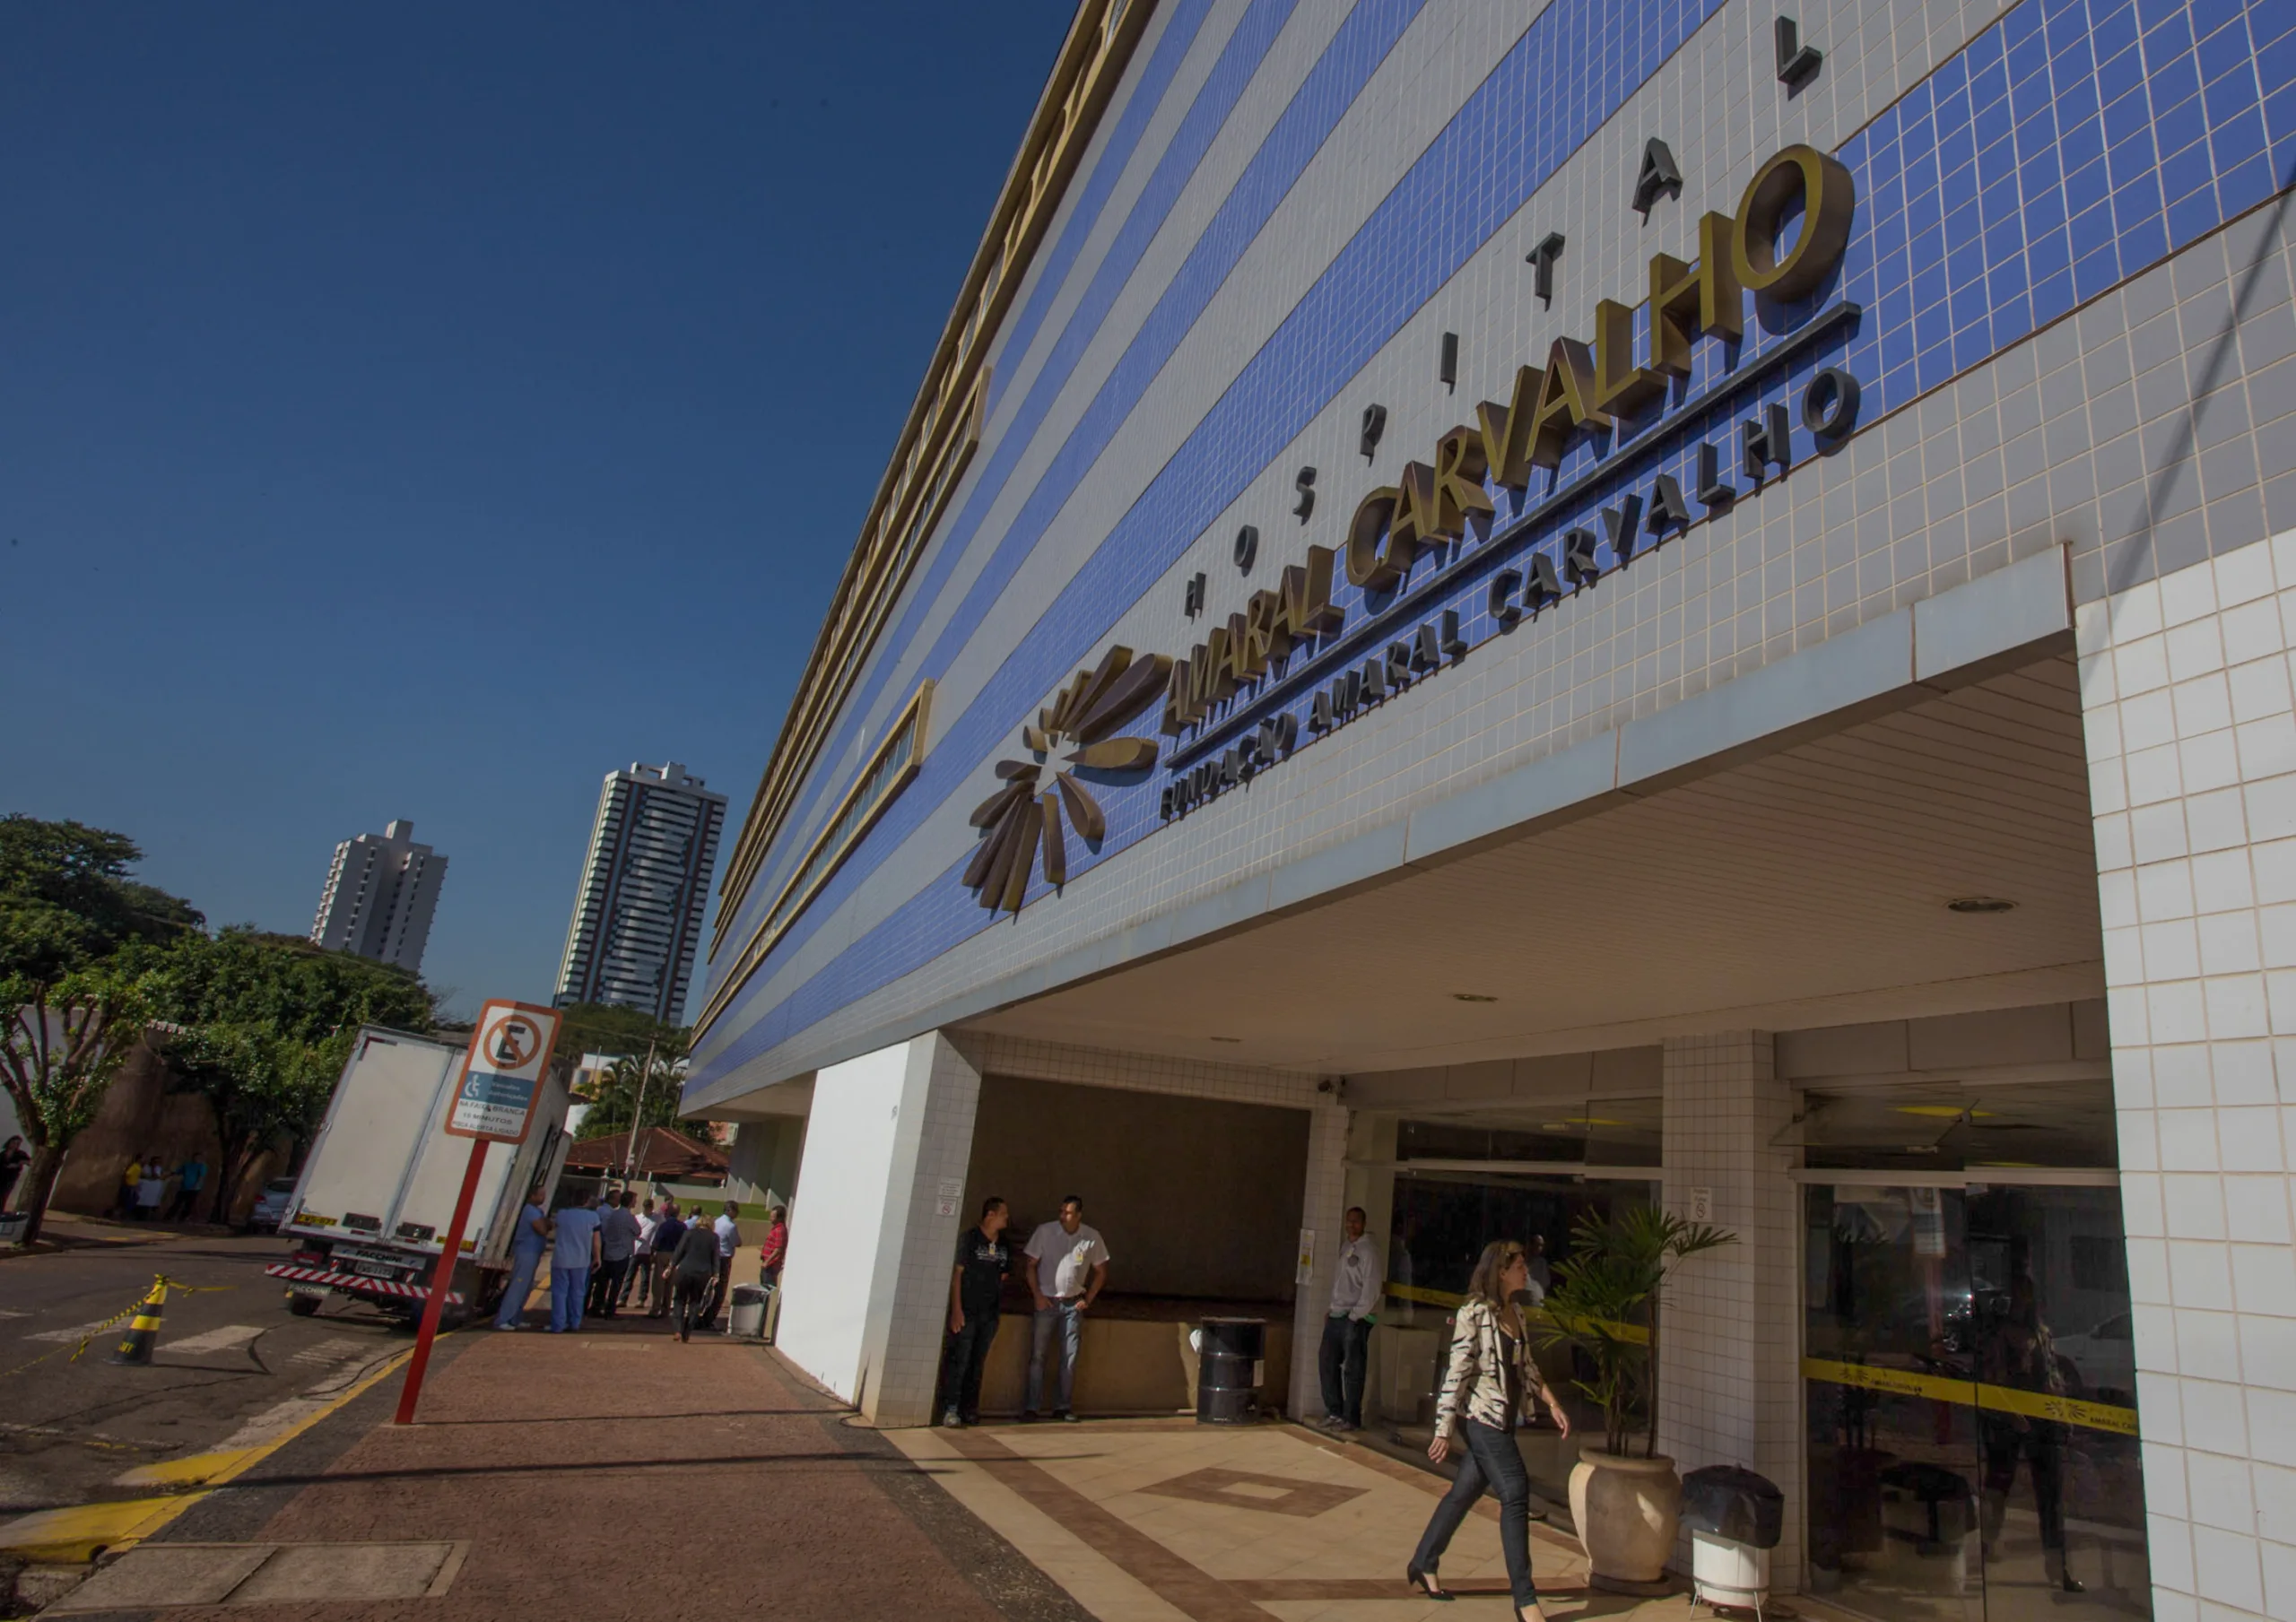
(526,1246)
(576,1253)
(1068,1267)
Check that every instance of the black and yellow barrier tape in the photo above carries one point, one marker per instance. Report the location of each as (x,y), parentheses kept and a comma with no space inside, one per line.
(1971,1393)
(89,1336)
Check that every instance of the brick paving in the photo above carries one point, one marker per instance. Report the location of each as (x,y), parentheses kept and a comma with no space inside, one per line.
(616,1473)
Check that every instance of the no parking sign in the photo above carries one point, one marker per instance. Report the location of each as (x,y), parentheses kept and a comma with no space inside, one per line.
(502,1072)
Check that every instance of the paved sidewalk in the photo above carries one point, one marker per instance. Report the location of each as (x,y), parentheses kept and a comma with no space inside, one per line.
(1145,1521)
(613,1474)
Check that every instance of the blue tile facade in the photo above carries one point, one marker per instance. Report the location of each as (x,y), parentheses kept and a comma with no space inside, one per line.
(2063,149)
(1331,88)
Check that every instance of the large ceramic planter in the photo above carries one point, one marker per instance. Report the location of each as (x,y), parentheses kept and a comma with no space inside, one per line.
(1627,1510)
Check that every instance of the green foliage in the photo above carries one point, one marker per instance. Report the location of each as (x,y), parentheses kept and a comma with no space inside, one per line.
(600,1028)
(283,985)
(267,1024)
(261,1085)
(63,1040)
(1606,1301)
(615,1096)
(66,901)
(259,1023)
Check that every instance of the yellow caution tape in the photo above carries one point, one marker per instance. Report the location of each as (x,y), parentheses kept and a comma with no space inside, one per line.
(89,1335)
(1896,1381)
(1969,1393)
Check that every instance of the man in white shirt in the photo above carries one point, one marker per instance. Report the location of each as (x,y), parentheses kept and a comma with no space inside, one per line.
(729,1240)
(640,1276)
(1355,1291)
(1068,1265)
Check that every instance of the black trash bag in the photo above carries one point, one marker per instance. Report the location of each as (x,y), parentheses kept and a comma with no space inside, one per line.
(1734,1503)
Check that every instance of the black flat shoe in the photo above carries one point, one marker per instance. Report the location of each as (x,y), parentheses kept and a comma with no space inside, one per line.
(1424,1581)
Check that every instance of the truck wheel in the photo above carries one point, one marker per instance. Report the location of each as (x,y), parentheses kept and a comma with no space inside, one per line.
(304,1306)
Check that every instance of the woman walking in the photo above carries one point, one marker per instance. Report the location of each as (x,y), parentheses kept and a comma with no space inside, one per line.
(1489,1373)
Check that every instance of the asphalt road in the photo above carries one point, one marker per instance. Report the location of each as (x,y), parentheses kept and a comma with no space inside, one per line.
(233,1367)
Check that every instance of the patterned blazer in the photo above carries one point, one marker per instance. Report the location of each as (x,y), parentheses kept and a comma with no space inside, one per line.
(1475,1380)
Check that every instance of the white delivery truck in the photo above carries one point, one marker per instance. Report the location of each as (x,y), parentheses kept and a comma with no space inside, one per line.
(376,1194)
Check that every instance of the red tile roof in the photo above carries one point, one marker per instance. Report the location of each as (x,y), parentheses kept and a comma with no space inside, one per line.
(661,1153)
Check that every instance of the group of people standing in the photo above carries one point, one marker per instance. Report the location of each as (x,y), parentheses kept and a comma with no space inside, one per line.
(1068,1267)
(603,1248)
(143,1188)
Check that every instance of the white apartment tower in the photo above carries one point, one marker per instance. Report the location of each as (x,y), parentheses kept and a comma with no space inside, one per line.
(637,916)
(380,894)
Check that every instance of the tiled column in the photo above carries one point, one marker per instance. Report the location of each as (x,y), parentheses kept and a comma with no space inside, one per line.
(909,1308)
(1321,1206)
(1729,1381)
(873,1233)
(2185,686)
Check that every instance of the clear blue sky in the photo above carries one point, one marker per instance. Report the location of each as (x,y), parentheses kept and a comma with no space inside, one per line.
(420,410)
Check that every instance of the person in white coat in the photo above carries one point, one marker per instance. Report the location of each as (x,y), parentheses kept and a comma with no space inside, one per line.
(1355,1291)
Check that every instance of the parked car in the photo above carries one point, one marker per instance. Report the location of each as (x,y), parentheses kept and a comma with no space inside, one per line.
(270,1208)
(2105,1357)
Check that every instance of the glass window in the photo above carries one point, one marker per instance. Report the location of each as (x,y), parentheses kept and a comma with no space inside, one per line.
(1950,1127)
(1971,1388)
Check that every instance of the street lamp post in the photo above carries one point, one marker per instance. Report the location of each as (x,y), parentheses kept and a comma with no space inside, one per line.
(638,1112)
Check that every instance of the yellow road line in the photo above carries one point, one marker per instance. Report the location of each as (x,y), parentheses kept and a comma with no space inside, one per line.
(81,1532)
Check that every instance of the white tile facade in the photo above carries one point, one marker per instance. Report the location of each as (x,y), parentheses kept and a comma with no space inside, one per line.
(1320,1211)
(943,1097)
(2185,694)
(871,1232)
(1730,1389)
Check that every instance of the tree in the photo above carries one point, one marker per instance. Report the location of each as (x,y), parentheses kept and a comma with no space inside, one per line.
(265,1026)
(70,923)
(67,901)
(261,1088)
(65,1038)
(601,1028)
(615,1097)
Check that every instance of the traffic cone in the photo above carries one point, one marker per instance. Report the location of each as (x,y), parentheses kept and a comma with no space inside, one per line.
(143,1333)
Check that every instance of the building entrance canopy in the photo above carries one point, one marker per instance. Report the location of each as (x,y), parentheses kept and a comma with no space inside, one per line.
(1811,888)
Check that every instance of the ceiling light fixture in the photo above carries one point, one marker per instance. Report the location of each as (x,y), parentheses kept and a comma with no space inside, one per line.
(1980,903)
(1471,997)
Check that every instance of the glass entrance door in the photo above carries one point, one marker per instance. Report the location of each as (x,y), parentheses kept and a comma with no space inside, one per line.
(1971,1390)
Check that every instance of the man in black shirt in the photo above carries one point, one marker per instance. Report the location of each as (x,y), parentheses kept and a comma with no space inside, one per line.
(976,1291)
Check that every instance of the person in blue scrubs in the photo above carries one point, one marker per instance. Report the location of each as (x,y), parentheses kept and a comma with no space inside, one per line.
(576,1253)
(526,1246)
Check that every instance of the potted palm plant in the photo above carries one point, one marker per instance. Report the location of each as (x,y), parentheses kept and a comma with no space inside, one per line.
(1605,1302)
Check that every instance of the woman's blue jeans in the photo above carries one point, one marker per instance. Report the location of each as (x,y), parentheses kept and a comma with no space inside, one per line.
(1490,1463)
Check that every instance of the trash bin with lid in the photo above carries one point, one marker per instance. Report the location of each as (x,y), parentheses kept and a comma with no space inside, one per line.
(1227,1370)
(1735,1517)
(747,1314)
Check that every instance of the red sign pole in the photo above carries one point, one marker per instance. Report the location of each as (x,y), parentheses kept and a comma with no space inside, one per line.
(442,1280)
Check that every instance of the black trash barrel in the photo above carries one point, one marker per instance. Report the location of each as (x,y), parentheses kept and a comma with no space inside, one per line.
(1226,1394)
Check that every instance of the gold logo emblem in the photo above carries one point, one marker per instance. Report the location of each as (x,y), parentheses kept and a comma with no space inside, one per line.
(1090,713)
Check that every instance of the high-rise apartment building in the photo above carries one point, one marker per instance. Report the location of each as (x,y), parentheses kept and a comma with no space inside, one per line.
(637,916)
(380,894)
